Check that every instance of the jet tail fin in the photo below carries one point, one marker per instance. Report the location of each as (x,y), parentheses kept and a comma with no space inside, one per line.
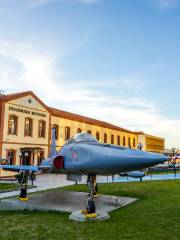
(53,144)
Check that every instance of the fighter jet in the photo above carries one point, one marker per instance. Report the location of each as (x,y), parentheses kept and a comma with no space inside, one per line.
(82,154)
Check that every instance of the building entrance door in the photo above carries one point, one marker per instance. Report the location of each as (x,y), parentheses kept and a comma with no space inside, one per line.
(11,155)
(26,158)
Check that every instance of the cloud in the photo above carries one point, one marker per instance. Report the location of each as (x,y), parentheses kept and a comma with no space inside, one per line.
(38,3)
(88,1)
(24,67)
(7,6)
(167,4)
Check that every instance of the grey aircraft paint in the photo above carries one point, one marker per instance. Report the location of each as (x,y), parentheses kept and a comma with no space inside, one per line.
(83,154)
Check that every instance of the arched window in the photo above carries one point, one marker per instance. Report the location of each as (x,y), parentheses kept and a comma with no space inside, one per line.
(97,135)
(12,125)
(67,133)
(42,129)
(105,138)
(134,142)
(56,127)
(124,141)
(28,127)
(129,142)
(112,139)
(118,140)
(79,130)
(89,131)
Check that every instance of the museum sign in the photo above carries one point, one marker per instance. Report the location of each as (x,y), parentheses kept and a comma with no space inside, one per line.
(27,112)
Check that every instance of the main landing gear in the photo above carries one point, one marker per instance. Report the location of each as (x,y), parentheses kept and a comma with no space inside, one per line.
(90,211)
(22,178)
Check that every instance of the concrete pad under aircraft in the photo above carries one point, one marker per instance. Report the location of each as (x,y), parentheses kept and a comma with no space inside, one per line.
(65,201)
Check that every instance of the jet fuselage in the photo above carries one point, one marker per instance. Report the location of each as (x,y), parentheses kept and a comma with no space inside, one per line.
(85,155)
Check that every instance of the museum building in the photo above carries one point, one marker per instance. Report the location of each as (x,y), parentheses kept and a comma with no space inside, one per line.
(26,123)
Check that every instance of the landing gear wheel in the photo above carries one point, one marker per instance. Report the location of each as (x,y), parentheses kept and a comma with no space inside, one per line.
(23,179)
(91,206)
(90,211)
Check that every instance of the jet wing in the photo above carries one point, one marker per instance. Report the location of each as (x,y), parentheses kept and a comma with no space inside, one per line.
(17,168)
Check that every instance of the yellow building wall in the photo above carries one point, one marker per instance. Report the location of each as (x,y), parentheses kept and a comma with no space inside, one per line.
(16,142)
(152,143)
(20,138)
(17,147)
(74,125)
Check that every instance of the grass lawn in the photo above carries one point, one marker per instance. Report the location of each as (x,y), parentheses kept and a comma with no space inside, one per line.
(156,215)
(8,186)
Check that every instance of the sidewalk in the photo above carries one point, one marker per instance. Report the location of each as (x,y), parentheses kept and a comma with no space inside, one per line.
(42,182)
(50,181)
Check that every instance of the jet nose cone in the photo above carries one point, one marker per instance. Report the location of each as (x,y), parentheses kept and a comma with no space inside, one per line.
(160,158)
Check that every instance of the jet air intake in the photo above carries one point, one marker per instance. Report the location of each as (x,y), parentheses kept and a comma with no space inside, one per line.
(58,163)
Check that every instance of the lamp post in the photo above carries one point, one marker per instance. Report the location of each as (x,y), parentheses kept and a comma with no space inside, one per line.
(140,146)
(20,157)
(26,154)
(173,152)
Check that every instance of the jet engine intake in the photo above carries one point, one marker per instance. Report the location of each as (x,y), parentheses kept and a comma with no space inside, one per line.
(58,163)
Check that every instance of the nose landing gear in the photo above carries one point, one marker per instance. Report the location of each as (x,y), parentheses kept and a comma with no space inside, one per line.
(90,211)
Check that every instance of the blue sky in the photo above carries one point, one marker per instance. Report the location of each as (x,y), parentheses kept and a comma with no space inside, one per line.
(114,60)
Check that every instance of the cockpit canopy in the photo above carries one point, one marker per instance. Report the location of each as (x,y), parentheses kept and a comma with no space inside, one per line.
(82,137)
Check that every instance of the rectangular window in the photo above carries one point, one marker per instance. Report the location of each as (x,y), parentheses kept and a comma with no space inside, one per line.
(28,127)
(12,125)
(42,129)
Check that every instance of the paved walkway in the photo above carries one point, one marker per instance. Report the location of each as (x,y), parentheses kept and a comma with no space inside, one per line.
(42,182)
(49,181)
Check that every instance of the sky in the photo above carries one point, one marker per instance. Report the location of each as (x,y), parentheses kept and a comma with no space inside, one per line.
(113,60)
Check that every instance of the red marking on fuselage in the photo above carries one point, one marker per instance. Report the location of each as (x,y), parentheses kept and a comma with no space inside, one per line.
(74,155)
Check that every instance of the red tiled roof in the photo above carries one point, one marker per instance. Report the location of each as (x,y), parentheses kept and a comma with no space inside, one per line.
(12,96)
(9,97)
(83,119)
(64,114)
